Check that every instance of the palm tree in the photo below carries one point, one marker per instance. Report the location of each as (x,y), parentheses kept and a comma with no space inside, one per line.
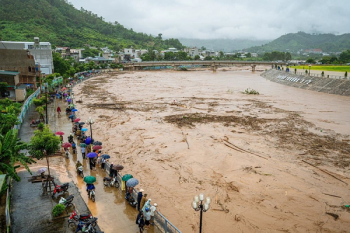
(10,147)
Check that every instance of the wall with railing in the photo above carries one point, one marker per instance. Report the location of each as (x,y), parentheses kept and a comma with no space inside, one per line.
(161,222)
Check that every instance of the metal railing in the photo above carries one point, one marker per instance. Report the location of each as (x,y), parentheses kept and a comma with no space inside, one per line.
(25,107)
(161,222)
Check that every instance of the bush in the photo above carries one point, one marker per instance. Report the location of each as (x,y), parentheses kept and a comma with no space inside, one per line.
(251,92)
(37,102)
(183,69)
(58,210)
(40,126)
(346,74)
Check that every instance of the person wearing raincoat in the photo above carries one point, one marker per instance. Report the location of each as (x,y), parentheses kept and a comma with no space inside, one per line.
(146,206)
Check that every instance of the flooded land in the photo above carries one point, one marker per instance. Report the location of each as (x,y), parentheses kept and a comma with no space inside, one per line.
(277,161)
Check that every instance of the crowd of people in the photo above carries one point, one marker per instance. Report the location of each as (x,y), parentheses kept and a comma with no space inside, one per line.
(146,211)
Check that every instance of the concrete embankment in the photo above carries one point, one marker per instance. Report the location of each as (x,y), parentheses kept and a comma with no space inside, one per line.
(326,85)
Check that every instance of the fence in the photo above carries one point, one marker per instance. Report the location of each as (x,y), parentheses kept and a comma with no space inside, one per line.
(160,221)
(320,75)
(25,107)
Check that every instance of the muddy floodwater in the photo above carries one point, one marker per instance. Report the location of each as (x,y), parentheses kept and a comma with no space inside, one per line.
(277,161)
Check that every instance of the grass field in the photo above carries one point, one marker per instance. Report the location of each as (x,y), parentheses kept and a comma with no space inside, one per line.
(324,68)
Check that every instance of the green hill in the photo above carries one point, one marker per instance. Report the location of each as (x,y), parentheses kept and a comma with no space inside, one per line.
(225,45)
(293,42)
(58,22)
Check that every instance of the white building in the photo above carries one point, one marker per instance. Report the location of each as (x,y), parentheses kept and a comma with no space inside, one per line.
(41,51)
(192,52)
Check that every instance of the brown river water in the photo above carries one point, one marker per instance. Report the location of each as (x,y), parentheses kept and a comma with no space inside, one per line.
(183,133)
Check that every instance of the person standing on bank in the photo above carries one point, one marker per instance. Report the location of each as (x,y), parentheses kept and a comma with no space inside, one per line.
(153,209)
(143,201)
(141,222)
(139,198)
(83,152)
(103,161)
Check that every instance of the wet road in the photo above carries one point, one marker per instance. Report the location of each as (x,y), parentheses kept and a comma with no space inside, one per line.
(113,212)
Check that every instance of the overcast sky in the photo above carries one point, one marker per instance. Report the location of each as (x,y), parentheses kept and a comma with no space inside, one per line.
(209,19)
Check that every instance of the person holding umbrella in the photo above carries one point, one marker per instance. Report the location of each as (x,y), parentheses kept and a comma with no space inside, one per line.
(58,111)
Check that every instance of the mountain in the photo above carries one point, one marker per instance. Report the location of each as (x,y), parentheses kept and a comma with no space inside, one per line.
(58,22)
(293,42)
(225,45)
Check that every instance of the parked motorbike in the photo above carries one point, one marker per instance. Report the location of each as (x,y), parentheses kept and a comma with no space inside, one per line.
(80,171)
(110,182)
(35,123)
(131,200)
(67,201)
(74,219)
(89,226)
(91,194)
(60,188)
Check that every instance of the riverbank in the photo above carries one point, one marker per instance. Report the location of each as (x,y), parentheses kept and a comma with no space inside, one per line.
(245,152)
(319,84)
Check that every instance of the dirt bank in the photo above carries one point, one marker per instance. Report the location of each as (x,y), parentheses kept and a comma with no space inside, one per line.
(181,133)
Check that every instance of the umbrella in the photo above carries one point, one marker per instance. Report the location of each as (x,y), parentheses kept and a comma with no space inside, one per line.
(41,170)
(77,120)
(82,145)
(127,177)
(132,182)
(97,147)
(66,145)
(105,156)
(74,110)
(84,129)
(97,143)
(59,133)
(91,155)
(76,123)
(65,94)
(71,105)
(64,89)
(88,141)
(81,123)
(69,100)
(89,179)
(118,167)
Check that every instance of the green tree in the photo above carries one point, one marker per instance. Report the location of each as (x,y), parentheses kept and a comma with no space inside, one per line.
(197,57)
(43,144)
(249,55)
(10,147)
(346,74)
(345,56)
(310,61)
(208,58)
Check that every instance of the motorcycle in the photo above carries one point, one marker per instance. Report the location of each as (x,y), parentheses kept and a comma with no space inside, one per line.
(60,188)
(80,171)
(67,201)
(91,194)
(88,227)
(110,182)
(74,219)
(130,200)
(35,123)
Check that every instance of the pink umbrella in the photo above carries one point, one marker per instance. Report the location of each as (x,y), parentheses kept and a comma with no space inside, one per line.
(66,145)
(97,147)
(77,120)
(59,133)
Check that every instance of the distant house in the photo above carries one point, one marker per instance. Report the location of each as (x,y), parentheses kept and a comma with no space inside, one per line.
(254,54)
(41,51)
(192,52)
(20,61)
(315,51)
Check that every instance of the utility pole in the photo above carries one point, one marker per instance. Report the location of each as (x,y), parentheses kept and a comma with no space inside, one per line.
(47,122)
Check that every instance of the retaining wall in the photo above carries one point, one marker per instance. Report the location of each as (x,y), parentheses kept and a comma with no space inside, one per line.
(320,84)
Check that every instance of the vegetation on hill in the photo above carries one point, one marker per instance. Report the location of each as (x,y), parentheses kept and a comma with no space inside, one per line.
(293,42)
(226,45)
(58,22)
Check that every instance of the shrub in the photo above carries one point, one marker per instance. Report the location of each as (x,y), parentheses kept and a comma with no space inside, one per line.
(251,92)
(37,102)
(58,210)
(322,73)
(183,69)
(346,74)
(41,126)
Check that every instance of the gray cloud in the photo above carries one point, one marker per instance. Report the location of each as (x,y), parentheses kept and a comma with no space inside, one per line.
(209,19)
